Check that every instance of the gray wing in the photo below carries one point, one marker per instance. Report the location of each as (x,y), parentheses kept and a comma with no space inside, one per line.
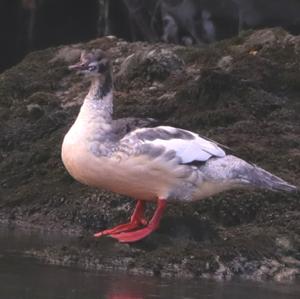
(186,145)
(123,126)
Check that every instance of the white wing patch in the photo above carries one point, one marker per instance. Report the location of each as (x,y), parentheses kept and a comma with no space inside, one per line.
(191,149)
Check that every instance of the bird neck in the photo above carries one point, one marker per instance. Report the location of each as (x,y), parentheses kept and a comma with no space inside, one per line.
(101,86)
(99,100)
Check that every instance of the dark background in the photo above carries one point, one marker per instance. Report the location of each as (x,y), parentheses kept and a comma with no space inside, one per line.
(27,25)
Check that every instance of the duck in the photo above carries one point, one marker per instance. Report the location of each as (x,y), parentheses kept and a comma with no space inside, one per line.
(160,164)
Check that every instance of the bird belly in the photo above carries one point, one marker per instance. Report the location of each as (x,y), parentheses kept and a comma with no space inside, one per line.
(139,176)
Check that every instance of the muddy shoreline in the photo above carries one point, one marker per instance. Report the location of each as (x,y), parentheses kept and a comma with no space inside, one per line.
(242,92)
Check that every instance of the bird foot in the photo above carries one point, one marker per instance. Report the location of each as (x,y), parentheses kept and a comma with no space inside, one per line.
(137,219)
(133,236)
(121,228)
(125,233)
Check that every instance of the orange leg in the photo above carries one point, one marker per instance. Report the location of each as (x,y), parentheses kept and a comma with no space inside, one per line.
(136,220)
(133,236)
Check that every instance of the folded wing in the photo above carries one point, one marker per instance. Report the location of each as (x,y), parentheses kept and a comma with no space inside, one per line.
(188,146)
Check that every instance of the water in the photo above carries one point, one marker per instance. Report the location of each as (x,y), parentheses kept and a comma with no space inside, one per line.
(25,278)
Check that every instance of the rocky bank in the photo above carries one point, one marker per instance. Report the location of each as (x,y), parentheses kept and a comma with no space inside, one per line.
(243,92)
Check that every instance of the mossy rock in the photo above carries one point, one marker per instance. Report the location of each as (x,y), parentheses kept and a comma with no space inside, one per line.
(249,104)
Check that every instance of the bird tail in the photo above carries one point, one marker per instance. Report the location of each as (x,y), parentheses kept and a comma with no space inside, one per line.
(238,173)
(261,178)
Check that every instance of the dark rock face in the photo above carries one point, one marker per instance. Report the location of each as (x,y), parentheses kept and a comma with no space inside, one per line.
(242,92)
(27,25)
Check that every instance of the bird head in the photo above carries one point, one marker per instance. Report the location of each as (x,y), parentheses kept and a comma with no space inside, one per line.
(92,63)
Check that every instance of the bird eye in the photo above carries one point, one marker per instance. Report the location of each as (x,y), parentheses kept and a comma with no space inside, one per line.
(91,67)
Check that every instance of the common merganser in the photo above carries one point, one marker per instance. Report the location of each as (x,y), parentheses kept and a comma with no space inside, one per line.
(161,164)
